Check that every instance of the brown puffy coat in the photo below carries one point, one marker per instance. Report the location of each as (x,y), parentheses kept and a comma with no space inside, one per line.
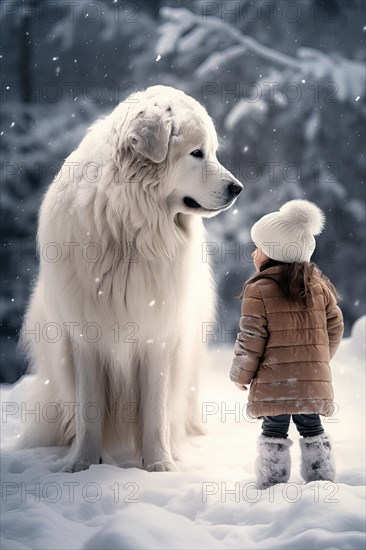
(284,349)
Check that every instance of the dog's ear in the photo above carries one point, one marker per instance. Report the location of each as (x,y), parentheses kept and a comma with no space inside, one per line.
(149,132)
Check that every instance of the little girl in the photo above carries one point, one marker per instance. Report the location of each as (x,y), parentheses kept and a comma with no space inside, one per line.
(290,328)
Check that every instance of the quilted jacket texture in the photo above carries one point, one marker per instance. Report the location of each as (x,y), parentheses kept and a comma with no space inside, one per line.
(284,349)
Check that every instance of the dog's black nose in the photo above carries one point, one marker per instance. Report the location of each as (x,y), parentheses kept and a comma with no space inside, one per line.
(235,188)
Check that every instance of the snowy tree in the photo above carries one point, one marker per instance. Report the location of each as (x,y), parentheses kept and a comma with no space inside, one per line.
(293,126)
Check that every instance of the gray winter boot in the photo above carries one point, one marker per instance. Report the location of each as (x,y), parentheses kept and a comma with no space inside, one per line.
(273,463)
(317,458)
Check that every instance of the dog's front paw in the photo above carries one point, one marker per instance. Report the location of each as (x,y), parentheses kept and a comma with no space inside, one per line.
(161,466)
(78,465)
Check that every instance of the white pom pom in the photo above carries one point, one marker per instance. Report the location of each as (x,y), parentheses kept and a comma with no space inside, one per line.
(305,214)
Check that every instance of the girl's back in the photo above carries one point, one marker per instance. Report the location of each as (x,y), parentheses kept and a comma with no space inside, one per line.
(295,343)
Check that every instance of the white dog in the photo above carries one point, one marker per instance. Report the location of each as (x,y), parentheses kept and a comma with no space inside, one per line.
(113,330)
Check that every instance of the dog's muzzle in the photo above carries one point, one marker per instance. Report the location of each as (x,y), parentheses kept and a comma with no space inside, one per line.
(232,191)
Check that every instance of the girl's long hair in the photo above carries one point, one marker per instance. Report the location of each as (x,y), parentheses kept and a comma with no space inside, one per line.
(295,280)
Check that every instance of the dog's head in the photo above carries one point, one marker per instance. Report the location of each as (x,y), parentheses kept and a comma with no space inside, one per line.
(171,130)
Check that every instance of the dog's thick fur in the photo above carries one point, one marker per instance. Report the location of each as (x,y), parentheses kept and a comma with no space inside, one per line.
(114,326)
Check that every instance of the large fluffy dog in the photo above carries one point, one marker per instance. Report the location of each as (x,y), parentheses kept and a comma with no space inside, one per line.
(114,325)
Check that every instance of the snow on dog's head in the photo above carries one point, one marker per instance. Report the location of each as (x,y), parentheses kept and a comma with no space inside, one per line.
(170,136)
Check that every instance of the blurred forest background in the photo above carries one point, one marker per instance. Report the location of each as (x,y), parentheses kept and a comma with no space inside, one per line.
(284,82)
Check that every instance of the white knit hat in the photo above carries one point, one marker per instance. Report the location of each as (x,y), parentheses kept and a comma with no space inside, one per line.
(288,235)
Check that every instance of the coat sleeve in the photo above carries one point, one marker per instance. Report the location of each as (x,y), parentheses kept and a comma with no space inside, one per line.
(252,338)
(335,325)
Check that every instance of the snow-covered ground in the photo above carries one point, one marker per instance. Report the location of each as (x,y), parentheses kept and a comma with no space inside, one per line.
(211,503)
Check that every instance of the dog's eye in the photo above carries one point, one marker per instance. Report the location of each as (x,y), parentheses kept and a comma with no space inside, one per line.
(198,153)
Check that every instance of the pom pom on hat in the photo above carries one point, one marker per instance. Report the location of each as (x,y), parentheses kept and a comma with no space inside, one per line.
(288,234)
(305,214)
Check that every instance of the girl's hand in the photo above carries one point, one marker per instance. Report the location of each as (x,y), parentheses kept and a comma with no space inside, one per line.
(240,386)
